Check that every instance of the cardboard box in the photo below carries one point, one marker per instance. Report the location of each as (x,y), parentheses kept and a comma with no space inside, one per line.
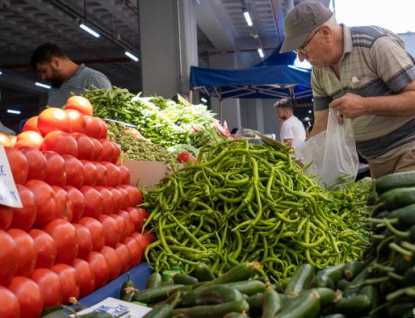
(147,173)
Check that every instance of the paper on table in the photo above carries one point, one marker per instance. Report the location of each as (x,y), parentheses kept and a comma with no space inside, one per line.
(8,192)
(117,308)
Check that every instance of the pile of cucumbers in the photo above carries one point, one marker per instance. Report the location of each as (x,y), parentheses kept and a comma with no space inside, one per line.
(245,291)
(392,253)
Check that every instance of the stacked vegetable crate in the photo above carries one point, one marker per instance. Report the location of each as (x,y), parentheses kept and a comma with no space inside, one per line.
(79,226)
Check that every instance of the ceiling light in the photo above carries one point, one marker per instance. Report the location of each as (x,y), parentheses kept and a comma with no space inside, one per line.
(42,85)
(1,72)
(248,18)
(89,30)
(203,100)
(12,111)
(261,53)
(131,56)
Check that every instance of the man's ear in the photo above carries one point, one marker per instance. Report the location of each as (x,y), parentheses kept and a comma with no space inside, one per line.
(55,61)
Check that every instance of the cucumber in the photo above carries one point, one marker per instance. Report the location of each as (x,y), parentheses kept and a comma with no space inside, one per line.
(328,277)
(373,293)
(242,271)
(184,279)
(271,303)
(203,273)
(55,314)
(300,280)
(154,280)
(357,283)
(353,306)
(96,315)
(173,300)
(212,311)
(305,305)
(409,277)
(235,315)
(335,316)
(255,304)
(156,294)
(398,198)
(406,217)
(248,287)
(400,308)
(218,294)
(160,311)
(395,180)
(342,284)
(351,269)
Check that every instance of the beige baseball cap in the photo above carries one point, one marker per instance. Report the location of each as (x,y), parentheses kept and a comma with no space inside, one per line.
(300,21)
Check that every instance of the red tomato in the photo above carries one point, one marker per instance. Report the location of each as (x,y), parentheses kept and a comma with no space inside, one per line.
(113,173)
(52,119)
(86,146)
(135,195)
(61,143)
(78,202)
(102,174)
(69,279)
(125,198)
(125,175)
(93,202)
(50,286)
(107,150)
(97,150)
(37,163)
(107,200)
(10,307)
(99,265)
(55,169)
(122,225)
(135,249)
(64,206)
(104,130)
(64,235)
(185,157)
(113,260)
(150,236)
(5,140)
(84,239)
(29,296)
(45,248)
(125,256)
(129,223)
(118,197)
(138,215)
(93,126)
(24,218)
(44,200)
(29,138)
(86,277)
(142,240)
(91,173)
(97,232)
(6,217)
(9,255)
(31,124)
(27,252)
(75,172)
(111,230)
(117,153)
(18,165)
(79,103)
(76,121)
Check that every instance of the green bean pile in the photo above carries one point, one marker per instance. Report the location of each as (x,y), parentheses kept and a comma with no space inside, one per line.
(136,149)
(248,202)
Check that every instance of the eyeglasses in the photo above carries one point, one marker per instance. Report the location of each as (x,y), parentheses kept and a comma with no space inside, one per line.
(302,49)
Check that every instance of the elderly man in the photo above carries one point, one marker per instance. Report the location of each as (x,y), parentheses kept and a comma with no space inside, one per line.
(365,74)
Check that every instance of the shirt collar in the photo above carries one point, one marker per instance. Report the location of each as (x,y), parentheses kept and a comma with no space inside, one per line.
(347,40)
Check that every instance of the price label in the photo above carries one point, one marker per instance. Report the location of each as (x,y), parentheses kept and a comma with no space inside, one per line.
(8,192)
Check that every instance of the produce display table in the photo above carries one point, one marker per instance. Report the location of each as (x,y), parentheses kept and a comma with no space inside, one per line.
(138,275)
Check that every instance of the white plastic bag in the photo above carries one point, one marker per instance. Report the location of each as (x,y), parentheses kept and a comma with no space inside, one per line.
(332,153)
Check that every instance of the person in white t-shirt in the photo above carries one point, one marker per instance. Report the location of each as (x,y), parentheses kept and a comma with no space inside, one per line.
(292,129)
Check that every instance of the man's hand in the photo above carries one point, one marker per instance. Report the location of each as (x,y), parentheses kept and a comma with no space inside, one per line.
(349,105)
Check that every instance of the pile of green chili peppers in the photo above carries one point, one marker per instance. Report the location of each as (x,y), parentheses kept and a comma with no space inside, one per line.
(251,202)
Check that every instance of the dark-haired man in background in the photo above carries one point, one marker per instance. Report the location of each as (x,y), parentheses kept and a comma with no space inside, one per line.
(65,76)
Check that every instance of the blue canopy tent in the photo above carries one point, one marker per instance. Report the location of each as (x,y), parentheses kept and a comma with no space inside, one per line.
(275,77)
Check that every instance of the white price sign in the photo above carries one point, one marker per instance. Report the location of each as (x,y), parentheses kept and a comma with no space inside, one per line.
(8,192)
